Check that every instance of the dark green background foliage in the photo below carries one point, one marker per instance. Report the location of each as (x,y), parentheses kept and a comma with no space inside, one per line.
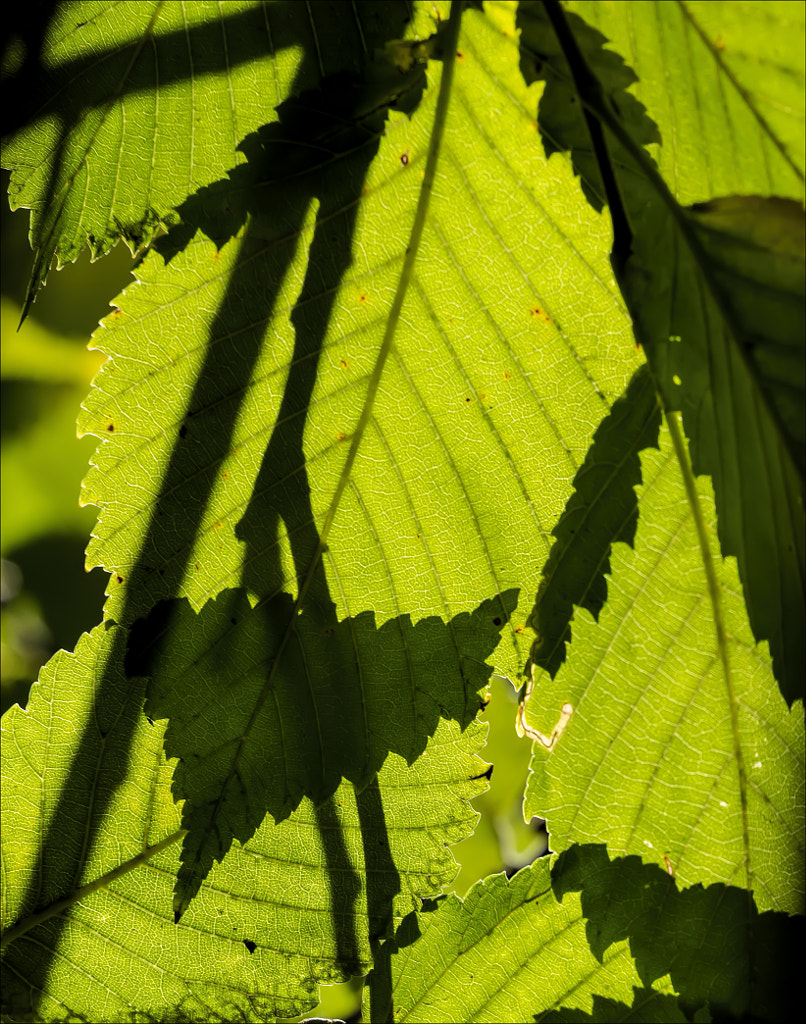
(465,345)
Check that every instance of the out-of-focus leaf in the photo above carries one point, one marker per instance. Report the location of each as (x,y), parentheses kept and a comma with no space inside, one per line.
(41,355)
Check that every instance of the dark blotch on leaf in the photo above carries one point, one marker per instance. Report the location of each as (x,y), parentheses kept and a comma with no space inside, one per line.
(251,946)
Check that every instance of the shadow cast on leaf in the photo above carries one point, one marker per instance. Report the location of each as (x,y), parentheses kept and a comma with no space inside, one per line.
(257,722)
(323,148)
(712,941)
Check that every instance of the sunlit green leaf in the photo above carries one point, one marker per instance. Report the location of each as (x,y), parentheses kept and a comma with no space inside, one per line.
(300,903)
(717,297)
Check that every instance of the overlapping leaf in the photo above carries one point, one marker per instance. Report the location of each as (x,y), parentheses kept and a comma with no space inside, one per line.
(240,368)
(233,434)
(724,84)
(135,107)
(663,757)
(721,955)
(603,509)
(337,702)
(86,788)
(701,286)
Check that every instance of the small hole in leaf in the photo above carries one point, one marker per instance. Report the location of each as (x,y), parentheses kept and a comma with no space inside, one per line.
(111,428)
(251,946)
(183,431)
(497,621)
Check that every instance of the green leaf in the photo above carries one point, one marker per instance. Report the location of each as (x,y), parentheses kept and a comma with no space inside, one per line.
(136,107)
(716,294)
(86,790)
(514,949)
(711,940)
(448,962)
(695,765)
(603,509)
(266,425)
(337,701)
(243,371)
(725,85)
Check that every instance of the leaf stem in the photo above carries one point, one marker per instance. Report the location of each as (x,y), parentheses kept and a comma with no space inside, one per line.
(10,934)
(427,187)
(681,451)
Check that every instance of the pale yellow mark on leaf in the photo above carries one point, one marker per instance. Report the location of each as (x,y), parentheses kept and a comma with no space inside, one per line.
(549,742)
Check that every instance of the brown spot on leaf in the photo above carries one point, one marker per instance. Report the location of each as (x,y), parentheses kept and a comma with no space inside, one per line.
(344,364)
(110,427)
(404,158)
(540,314)
(507,375)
